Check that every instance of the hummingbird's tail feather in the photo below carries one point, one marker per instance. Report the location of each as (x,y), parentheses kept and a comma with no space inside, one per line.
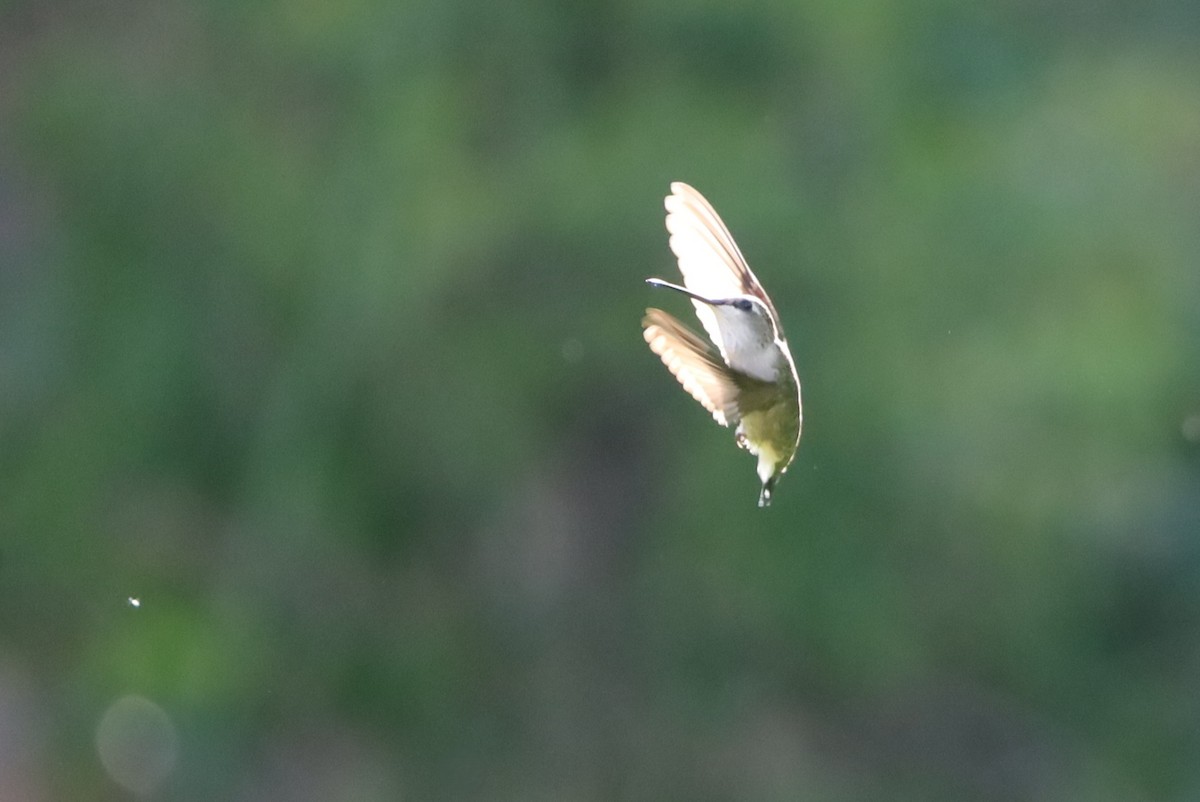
(693,364)
(764,495)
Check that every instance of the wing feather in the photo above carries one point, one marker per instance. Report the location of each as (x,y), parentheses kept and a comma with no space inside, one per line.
(693,364)
(709,259)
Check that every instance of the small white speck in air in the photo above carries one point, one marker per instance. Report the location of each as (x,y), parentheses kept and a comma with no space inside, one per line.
(134,601)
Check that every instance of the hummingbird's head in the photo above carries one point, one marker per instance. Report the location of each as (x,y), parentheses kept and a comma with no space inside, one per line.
(748,312)
(745,311)
(744,303)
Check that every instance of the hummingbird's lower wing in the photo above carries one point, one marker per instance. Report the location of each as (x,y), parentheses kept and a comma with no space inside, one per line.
(693,364)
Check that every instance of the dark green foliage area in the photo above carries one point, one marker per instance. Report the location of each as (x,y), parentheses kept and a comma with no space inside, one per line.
(319,339)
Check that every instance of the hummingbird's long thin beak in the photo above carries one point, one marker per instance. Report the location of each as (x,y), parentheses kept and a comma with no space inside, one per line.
(657,282)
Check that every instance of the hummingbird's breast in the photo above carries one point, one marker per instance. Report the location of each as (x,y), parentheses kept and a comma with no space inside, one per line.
(762,361)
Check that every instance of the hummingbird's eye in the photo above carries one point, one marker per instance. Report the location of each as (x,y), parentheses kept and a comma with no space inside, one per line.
(742,304)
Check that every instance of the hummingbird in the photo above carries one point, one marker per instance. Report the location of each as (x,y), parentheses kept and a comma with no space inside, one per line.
(749,379)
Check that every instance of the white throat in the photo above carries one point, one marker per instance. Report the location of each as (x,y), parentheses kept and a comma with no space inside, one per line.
(748,343)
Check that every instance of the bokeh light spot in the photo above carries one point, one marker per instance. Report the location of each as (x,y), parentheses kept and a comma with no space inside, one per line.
(137,744)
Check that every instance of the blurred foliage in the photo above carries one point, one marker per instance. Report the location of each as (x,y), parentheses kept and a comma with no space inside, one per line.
(319,339)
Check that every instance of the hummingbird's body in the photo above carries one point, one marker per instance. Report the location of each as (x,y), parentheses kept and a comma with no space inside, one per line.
(750,381)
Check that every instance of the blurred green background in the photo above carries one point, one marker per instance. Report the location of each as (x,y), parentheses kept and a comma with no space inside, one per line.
(333,465)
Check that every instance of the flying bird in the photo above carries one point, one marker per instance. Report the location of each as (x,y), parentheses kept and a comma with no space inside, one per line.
(746,378)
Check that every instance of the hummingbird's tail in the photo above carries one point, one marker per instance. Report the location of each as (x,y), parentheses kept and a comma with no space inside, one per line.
(764,495)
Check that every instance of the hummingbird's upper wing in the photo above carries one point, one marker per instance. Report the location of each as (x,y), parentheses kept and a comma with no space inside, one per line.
(693,364)
(709,259)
